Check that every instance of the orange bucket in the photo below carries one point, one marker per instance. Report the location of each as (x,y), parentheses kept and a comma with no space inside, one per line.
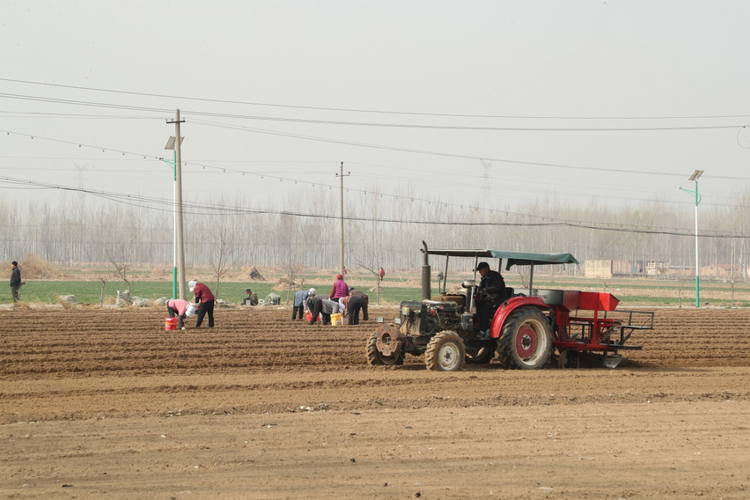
(170,324)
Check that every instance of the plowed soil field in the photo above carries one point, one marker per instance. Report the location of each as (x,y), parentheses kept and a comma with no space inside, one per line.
(104,403)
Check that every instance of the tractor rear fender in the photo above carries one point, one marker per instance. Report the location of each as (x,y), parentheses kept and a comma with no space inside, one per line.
(508,307)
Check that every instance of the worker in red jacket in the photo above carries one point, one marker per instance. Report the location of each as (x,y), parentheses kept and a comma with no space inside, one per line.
(205,298)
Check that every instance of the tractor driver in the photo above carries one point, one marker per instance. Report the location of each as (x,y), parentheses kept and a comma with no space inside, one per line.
(492,287)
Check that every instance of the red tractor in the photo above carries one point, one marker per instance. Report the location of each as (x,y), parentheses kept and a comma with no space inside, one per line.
(526,330)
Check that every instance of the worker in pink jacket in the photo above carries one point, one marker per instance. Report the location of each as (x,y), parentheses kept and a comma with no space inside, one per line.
(340,289)
(181,309)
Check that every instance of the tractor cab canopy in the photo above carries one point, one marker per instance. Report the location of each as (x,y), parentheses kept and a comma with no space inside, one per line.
(511,258)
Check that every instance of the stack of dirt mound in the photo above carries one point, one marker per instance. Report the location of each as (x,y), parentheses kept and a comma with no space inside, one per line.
(34,267)
(255,275)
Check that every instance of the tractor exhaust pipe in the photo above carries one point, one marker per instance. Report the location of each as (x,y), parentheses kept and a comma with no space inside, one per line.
(426,286)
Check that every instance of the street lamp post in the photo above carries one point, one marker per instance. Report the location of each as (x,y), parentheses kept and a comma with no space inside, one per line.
(696,175)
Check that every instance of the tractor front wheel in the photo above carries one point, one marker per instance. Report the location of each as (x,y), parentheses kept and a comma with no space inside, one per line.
(375,357)
(525,341)
(445,352)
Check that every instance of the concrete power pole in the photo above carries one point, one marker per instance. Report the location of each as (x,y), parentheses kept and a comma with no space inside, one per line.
(487,197)
(178,202)
(341,176)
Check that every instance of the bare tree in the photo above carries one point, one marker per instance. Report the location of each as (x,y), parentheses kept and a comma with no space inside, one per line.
(101,292)
(293,270)
(374,273)
(121,257)
(222,257)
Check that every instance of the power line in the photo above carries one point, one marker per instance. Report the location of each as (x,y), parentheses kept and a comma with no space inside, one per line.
(282,178)
(208,209)
(277,177)
(443,154)
(373,111)
(370,124)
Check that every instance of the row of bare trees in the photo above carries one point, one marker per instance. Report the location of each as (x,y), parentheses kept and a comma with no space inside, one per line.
(302,230)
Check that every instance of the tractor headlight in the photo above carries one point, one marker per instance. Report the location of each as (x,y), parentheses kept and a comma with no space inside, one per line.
(405,311)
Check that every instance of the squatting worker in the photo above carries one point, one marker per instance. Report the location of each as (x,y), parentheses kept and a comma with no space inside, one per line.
(15,281)
(251,296)
(492,287)
(181,309)
(340,289)
(300,299)
(205,298)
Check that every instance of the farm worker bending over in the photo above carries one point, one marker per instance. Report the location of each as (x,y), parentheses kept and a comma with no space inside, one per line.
(493,288)
(181,309)
(320,304)
(339,290)
(206,299)
(363,303)
(300,298)
(355,302)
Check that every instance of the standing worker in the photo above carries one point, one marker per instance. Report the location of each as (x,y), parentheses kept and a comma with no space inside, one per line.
(340,289)
(206,299)
(15,281)
(381,274)
(300,298)
(181,309)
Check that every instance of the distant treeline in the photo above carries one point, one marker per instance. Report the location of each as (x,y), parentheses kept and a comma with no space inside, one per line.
(303,231)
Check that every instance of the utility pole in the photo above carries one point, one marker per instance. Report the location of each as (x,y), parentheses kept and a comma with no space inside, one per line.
(178,203)
(487,193)
(341,176)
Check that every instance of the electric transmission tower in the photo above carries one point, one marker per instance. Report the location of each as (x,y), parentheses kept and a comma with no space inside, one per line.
(81,169)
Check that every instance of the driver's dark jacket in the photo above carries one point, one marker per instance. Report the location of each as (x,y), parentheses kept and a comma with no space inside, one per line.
(494,285)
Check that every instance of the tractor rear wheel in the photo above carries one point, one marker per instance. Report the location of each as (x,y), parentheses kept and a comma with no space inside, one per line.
(376,358)
(525,341)
(480,355)
(445,352)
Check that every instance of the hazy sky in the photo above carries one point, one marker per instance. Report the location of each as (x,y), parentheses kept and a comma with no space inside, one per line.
(580,100)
